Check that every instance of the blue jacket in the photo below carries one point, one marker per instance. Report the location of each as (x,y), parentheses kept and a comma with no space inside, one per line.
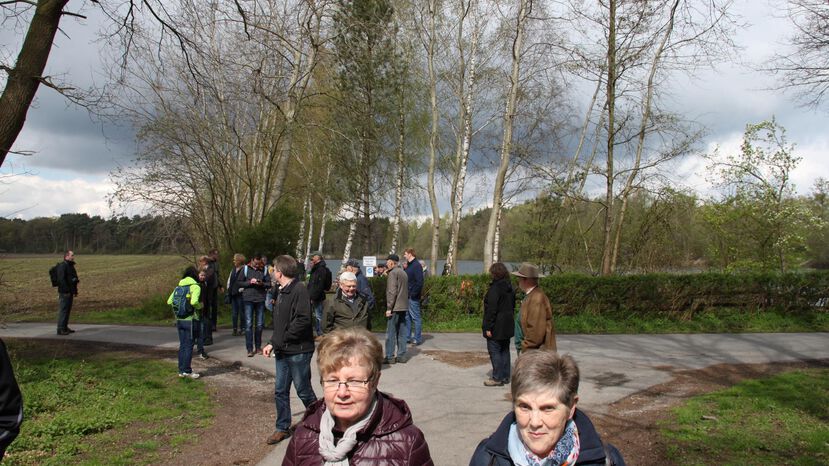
(365,289)
(415,273)
(494,450)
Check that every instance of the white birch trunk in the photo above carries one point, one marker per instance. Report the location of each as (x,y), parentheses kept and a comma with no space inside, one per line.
(301,240)
(310,227)
(433,137)
(401,171)
(352,229)
(490,252)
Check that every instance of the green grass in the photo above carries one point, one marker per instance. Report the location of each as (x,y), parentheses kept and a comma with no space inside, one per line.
(779,420)
(101,408)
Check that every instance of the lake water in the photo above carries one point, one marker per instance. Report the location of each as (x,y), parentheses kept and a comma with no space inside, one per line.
(464,267)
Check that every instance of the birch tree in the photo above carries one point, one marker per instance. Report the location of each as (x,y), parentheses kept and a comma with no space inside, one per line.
(490,244)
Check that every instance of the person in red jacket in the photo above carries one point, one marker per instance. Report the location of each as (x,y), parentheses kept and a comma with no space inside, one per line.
(355,423)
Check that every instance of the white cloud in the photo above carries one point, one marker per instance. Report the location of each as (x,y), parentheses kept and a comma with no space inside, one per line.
(29,196)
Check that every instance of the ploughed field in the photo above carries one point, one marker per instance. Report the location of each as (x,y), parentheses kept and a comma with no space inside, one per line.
(106,282)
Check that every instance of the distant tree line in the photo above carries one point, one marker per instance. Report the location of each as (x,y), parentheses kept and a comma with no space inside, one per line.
(92,235)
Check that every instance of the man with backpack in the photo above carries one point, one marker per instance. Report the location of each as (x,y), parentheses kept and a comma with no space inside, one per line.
(65,278)
(186,303)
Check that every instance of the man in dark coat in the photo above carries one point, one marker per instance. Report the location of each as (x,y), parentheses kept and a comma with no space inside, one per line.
(292,343)
(414,272)
(67,290)
(318,284)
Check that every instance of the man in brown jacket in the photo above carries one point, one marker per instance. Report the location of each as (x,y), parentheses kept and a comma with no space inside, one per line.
(536,315)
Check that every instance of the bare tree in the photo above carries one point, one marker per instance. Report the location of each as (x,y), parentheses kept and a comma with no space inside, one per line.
(805,69)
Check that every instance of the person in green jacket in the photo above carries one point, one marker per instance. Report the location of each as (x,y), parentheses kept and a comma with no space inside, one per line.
(185,324)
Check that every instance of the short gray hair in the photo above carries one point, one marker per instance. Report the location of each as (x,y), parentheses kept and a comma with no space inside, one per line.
(545,370)
(348,277)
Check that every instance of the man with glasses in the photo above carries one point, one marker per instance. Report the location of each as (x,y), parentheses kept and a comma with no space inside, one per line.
(292,343)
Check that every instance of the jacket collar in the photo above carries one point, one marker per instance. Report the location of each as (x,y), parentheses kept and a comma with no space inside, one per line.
(591,449)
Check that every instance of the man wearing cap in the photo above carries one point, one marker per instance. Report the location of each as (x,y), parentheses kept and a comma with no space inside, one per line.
(348,308)
(397,306)
(534,328)
(318,284)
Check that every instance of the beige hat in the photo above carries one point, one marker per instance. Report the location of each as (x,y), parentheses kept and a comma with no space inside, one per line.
(527,270)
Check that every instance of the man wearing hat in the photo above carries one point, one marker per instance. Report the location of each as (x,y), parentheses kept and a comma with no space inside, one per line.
(397,306)
(318,284)
(534,327)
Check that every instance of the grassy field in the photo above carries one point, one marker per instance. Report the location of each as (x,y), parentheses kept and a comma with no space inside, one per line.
(780,420)
(108,282)
(88,407)
(133,290)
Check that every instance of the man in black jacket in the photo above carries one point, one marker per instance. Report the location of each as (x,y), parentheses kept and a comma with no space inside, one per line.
(318,284)
(292,343)
(67,290)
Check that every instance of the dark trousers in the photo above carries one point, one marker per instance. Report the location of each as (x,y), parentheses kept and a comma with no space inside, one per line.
(185,345)
(237,314)
(213,306)
(64,308)
(500,359)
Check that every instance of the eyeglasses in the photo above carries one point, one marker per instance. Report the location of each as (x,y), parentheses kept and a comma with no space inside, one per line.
(350,385)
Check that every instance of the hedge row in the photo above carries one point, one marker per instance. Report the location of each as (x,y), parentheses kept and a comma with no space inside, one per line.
(673,295)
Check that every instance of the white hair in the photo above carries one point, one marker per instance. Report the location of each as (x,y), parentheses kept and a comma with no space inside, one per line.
(348,277)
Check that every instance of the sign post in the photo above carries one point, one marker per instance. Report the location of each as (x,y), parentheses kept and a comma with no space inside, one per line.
(369,262)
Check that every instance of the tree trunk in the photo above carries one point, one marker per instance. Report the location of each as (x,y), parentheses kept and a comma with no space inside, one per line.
(462,154)
(310,227)
(611,139)
(433,138)
(490,253)
(301,240)
(24,79)
(401,171)
(352,229)
(646,114)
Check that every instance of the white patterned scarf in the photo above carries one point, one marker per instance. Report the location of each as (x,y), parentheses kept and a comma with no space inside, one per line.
(565,453)
(337,455)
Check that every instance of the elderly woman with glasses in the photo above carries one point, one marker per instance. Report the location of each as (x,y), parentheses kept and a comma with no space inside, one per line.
(544,427)
(355,423)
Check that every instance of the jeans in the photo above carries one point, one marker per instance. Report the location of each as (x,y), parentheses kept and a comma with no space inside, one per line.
(237,313)
(500,359)
(250,337)
(269,300)
(294,368)
(185,345)
(414,333)
(396,333)
(318,307)
(64,308)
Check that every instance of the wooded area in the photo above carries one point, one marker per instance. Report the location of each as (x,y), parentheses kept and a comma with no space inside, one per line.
(350,115)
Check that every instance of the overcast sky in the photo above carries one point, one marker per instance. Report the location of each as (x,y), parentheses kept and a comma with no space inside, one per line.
(74,155)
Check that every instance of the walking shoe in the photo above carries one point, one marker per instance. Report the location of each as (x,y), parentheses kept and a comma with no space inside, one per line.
(69,330)
(389,360)
(235,332)
(250,354)
(192,375)
(402,359)
(63,331)
(208,342)
(203,355)
(493,383)
(277,437)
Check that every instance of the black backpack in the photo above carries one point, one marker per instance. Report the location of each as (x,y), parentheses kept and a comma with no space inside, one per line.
(181,302)
(53,274)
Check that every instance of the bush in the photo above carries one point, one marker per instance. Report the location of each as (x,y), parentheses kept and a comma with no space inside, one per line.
(674,296)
